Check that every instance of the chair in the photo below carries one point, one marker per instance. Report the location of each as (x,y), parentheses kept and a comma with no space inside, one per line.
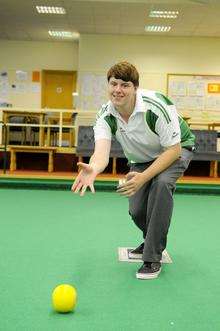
(206,149)
(85,146)
(16,134)
(206,145)
(32,132)
(53,132)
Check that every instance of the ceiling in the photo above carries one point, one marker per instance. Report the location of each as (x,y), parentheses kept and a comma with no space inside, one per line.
(19,20)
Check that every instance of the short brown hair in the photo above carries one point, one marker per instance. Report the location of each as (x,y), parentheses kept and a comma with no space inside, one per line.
(125,71)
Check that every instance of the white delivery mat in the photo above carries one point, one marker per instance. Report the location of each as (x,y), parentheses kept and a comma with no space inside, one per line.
(124,257)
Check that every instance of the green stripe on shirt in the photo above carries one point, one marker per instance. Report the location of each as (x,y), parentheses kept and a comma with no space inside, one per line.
(159,106)
(151,119)
(187,137)
(111,120)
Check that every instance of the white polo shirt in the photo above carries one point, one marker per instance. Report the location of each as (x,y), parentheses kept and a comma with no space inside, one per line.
(153,126)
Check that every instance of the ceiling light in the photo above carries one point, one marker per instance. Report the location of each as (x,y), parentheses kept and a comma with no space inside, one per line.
(163,13)
(64,34)
(50,10)
(157,28)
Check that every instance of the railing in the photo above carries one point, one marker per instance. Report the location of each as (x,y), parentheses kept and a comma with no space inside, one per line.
(43,116)
(4,148)
(48,119)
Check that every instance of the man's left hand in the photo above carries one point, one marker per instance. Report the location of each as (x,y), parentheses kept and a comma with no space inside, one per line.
(134,181)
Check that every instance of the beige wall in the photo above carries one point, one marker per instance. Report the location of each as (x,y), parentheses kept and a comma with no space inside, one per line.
(153,56)
(35,56)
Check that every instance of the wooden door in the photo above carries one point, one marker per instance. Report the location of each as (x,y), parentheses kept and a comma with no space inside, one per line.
(57,89)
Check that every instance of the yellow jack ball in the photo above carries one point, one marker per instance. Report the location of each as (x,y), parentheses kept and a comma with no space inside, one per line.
(64,298)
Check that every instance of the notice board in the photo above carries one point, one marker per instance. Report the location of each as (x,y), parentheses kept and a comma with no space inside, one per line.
(194,92)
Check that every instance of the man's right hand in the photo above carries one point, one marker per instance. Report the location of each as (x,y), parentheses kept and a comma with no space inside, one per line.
(84,179)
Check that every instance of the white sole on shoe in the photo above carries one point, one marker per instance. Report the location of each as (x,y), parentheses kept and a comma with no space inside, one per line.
(134,256)
(148,276)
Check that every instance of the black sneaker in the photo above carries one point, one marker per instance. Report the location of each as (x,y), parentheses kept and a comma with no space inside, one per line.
(149,270)
(137,252)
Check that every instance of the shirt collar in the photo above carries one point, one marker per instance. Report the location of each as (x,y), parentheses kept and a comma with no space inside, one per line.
(139,105)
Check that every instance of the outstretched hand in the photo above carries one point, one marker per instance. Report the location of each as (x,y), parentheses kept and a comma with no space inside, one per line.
(84,179)
(134,181)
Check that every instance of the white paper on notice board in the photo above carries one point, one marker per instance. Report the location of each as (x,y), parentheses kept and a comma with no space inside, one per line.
(34,88)
(180,102)
(212,103)
(196,88)
(177,88)
(4,88)
(21,75)
(196,103)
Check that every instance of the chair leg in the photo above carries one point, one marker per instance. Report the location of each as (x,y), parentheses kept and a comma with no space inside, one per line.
(13,163)
(31,138)
(55,138)
(48,138)
(114,163)
(51,139)
(24,136)
(50,162)
(71,138)
(213,169)
(8,135)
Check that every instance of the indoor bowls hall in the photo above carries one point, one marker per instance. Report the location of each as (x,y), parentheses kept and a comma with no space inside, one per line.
(109,165)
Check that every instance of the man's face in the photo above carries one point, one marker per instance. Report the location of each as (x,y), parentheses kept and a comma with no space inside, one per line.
(121,93)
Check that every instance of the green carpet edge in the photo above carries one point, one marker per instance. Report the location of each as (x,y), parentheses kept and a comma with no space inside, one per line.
(100,185)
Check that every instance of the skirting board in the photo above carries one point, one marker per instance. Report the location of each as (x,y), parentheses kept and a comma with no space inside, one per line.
(123,255)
